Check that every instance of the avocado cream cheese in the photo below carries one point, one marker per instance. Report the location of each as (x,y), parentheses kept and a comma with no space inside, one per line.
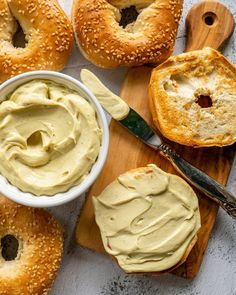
(112,103)
(148,219)
(49,138)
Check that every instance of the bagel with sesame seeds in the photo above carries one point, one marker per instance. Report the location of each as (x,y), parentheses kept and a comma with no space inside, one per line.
(48,36)
(112,33)
(31,244)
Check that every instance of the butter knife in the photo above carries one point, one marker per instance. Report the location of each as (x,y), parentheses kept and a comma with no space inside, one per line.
(139,127)
(136,125)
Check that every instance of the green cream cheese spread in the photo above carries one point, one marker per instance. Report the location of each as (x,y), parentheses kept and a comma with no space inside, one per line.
(49,138)
(148,219)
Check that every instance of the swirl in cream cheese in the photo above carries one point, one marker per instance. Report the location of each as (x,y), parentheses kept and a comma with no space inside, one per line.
(148,219)
(49,138)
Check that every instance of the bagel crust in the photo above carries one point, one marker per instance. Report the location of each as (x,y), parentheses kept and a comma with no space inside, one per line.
(40,239)
(48,35)
(174,92)
(149,39)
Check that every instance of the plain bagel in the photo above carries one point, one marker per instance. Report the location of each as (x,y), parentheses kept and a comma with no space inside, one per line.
(38,255)
(108,43)
(192,99)
(48,35)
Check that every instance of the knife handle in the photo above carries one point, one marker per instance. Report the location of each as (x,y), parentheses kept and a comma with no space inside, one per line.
(201,181)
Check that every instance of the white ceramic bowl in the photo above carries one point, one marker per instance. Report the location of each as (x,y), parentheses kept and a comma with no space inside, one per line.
(29,199)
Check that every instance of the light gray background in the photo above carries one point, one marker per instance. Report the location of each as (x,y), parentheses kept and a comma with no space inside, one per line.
(85,272)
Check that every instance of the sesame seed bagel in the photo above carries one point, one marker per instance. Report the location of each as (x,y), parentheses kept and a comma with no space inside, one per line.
(193,99)
(40,244)
(106,42)
(48,36)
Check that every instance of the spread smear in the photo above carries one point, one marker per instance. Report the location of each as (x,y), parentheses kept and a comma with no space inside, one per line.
(112,103)
(49,138)
(147,218)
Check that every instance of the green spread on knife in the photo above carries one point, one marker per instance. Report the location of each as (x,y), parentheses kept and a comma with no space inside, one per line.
(112,103)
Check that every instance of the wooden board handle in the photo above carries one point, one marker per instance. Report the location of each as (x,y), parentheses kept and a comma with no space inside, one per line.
(208,23)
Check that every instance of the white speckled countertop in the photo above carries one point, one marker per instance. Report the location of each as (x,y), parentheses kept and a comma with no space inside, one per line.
(87,273)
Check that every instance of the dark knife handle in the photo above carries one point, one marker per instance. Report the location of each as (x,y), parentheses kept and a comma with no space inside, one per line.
(202,181)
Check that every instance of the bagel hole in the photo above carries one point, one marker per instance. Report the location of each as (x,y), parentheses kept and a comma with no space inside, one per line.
(35,139)
(128,16)
(204,101)
(9,247)
(19,38)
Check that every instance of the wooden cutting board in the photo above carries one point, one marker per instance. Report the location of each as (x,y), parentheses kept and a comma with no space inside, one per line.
(126,152)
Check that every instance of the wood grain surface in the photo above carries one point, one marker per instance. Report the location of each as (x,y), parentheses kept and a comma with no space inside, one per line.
(126,152)
(208,23)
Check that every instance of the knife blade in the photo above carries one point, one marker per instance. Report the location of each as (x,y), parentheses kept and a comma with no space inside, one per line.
(136,125)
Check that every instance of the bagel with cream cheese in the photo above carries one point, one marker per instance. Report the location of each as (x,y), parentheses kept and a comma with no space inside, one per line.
(31,243)
(112,33)
(148,219)
(193,99)
(48,36)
